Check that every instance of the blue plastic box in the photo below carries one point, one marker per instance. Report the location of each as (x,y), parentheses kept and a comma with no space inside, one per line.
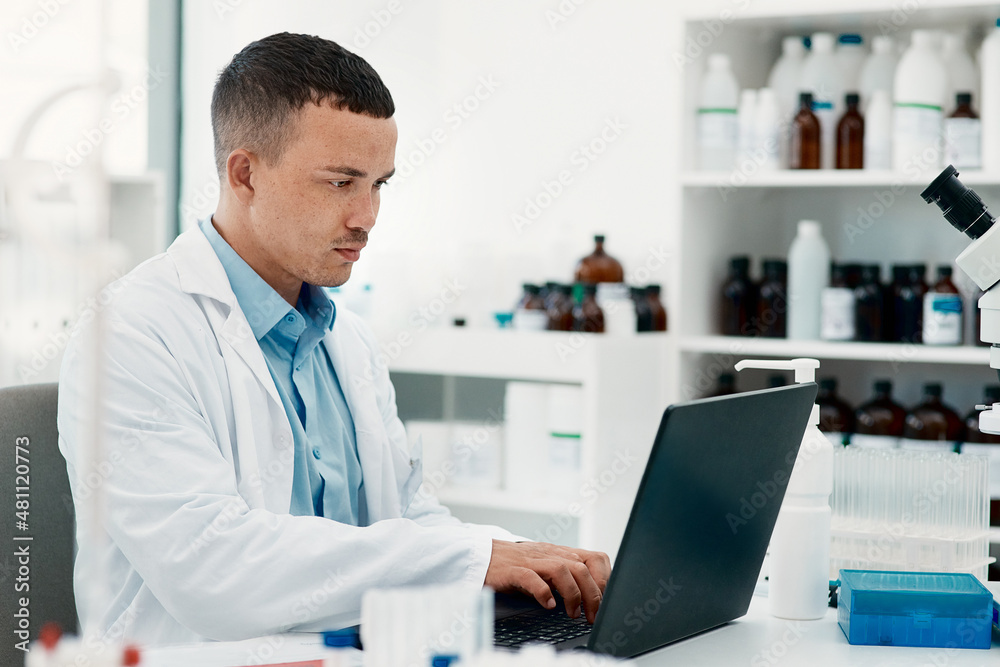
(927,609)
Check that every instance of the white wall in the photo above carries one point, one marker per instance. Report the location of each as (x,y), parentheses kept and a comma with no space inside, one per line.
(559,74)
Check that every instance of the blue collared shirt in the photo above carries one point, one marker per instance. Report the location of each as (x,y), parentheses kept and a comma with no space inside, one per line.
(327,473)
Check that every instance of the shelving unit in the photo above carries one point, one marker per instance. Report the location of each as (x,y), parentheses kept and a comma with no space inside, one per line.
(619,424)
(867,216)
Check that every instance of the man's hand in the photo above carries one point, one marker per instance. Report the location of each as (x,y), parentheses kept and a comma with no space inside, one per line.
(534,568)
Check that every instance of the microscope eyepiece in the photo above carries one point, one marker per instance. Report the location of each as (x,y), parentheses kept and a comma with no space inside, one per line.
(961,206)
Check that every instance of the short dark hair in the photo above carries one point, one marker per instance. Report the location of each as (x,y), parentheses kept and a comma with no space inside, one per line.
(271,79)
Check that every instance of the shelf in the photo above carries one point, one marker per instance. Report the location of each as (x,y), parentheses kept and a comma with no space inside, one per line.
(830,178)
(887,352)
(542,356)
(502,500)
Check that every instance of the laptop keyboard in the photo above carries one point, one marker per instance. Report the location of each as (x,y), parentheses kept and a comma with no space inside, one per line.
(543,626)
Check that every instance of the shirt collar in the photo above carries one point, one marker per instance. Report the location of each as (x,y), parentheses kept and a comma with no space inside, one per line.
(262,305)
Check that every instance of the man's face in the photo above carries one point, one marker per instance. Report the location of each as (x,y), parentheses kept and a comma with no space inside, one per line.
(311,212)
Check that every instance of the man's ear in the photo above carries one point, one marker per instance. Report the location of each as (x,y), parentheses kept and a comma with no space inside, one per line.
(239,166)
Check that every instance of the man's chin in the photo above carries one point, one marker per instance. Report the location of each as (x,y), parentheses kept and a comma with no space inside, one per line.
(336,279)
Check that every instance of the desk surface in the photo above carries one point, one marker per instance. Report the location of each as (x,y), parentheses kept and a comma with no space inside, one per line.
(755,640)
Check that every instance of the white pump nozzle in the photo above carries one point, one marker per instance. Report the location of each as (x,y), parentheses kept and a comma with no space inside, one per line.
(805,369)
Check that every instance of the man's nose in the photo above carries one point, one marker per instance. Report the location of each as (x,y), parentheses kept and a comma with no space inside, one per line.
(364,212)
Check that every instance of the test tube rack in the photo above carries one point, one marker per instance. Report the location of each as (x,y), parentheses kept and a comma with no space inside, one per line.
(909,511)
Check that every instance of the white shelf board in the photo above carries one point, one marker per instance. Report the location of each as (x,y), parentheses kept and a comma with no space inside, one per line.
(542,356)
(829,178)
(887,352)
(502,500)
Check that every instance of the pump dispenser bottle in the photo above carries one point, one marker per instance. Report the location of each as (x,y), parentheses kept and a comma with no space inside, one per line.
(800,544)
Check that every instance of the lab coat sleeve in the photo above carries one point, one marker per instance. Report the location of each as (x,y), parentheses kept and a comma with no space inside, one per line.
(220,568)
(424,508)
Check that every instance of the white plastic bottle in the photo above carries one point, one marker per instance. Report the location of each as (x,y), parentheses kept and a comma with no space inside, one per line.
(746,120)
(851,55)
(767,130)
(879,70)
(878,131)
(963,75)
(821,77)
(917,110)
(784,81)
(808,264)
(989,109)
(718,131)
(800,544)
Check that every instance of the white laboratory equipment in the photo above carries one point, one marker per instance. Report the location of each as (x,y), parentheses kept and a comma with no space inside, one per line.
(799,562)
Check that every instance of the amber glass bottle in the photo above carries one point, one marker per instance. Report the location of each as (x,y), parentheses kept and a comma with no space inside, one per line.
(805,141)
(932,421)
(772,304)
(739,298)
(908,290)
(836,418)
(599,266)
(869,305)
(879,422)
(726,385)
(656,309)
(643,316)
(851,136)
(587,315)
(560,308)
(530,312)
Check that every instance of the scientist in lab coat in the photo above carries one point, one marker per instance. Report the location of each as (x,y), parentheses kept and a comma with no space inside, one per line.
(256,475)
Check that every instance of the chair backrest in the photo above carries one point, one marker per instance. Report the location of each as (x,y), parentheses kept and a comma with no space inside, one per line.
(36,558)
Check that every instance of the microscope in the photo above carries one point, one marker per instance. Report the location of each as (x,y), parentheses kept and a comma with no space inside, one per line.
(967,213)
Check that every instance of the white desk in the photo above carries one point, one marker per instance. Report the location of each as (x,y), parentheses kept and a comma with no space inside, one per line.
(755,640)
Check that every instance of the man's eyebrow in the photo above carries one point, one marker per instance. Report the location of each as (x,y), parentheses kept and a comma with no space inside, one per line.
(351,171)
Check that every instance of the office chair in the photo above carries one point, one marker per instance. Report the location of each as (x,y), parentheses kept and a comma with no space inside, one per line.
(30,412)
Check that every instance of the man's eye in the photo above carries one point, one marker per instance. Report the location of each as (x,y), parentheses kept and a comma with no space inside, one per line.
(379,184)
(339,184)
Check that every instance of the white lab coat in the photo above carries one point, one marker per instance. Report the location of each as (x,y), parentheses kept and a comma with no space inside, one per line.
(197,473)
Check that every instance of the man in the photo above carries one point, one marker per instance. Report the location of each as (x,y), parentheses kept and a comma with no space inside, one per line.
(256,474)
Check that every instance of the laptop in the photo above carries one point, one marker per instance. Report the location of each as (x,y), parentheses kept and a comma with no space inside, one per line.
(700,524)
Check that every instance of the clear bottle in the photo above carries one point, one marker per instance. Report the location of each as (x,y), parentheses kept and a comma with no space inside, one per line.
(963,135)
(530,313)
(658,312)
(746,121)
(805,145)
(772,301)
(560,308)
(851,56)
(784,76)
(989,107)
(919,97)
(943,311)
(837,306)
(739,298)
(851,136)
(767,131)
(643,316)
(598,266)
(718,129)
(879,70)
(836,417)
(587,315)
(932,425)
(869,305)
(879,423)
(808,262)
(822,77)
(878,132)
